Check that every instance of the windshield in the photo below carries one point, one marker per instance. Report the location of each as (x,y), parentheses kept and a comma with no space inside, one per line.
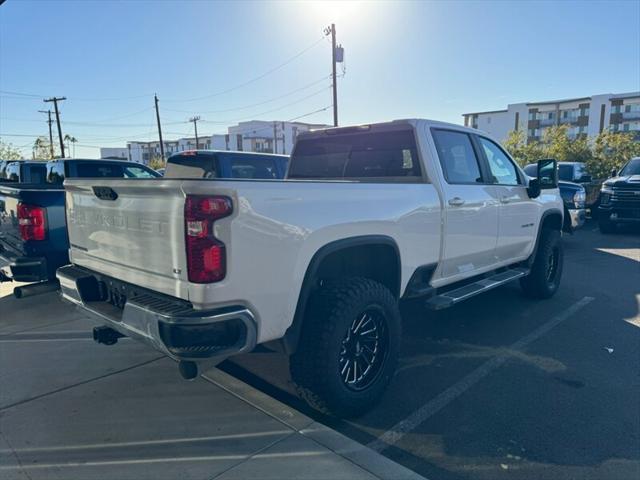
(631,168)
(565,172)
(357,156)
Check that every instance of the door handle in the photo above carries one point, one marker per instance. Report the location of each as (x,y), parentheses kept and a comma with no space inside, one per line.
(505,199)
(456,202)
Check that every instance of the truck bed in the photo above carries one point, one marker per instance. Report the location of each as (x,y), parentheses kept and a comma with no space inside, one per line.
(274,230)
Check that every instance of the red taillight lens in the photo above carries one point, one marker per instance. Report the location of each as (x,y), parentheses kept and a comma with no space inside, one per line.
(206,256)
(32,221)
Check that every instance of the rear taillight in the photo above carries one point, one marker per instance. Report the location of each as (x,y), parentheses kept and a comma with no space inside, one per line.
(32,221)
(206,256)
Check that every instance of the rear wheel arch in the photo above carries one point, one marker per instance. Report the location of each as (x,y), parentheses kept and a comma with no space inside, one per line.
(348,257)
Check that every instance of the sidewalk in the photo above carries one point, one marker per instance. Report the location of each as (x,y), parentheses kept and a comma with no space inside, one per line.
(71,409)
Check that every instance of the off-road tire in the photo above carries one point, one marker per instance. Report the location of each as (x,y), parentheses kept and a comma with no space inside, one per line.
(544,279)
(330,315)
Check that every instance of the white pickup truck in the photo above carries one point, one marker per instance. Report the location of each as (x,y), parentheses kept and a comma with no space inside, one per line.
(316,263)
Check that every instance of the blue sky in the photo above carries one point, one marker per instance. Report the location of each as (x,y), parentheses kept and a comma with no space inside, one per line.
(403,59)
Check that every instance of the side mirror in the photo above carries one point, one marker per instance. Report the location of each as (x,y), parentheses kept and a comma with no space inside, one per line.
(614,173)
(533,190)
(548,174)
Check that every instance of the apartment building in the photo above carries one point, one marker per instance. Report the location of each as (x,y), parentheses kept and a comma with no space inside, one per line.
(586,116)
(253,136)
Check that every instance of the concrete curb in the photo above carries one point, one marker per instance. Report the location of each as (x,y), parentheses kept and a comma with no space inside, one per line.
(356,453)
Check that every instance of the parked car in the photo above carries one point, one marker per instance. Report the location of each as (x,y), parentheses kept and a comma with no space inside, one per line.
(314,264)
(21,171)
(576,172)
(33,233)
(620,197)
(573,196)
(225,164)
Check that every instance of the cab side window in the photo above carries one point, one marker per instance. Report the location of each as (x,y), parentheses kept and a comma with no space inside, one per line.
(457,157)
(502,168)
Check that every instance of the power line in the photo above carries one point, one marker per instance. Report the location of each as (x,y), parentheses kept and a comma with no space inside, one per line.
(227,122)
(259,103)
(253,80)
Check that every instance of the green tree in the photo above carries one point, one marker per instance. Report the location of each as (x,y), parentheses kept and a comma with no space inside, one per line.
(557,144)
(9,152)
(524,153)
(611,150)
(42,149)
(70,139)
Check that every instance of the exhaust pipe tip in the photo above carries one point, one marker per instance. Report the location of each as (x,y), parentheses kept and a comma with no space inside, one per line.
(188,369)
(36,288)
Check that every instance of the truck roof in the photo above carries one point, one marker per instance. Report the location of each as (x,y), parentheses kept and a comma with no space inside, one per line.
(390,125)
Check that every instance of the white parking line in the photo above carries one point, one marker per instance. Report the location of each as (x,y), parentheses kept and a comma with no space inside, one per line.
(400,429)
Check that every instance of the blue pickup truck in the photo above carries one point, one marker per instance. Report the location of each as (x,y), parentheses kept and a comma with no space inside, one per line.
(33,230)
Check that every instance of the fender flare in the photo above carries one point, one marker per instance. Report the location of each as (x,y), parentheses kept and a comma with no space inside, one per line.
(309,283)
(545,215)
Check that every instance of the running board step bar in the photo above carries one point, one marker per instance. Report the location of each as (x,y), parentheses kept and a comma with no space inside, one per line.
(447,299)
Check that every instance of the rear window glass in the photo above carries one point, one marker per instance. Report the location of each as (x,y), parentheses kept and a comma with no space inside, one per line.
(138,172)
(55,172)
(99,170)
(36,173)
(191,166)
(256,167)
(364,156)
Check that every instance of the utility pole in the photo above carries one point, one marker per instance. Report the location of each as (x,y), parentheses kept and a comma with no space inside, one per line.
(155,97)
(275,138)
(284,145)
(50,132)
(335,83)
(195,127)
(55,101)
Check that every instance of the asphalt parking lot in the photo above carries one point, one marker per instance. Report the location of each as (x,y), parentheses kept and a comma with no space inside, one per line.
(505,387)
(497,387)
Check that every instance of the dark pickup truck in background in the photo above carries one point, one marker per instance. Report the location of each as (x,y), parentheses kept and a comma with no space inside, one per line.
(576,172)
(23,171)
(573,197)
(225,164)
(33,231)
(620,198)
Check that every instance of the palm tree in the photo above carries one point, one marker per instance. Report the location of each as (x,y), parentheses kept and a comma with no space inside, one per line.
(68,138)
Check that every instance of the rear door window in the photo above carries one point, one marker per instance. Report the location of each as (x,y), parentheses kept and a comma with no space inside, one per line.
(379,156)
(457,157)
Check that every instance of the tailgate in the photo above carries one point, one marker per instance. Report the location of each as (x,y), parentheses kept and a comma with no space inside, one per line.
(128,229)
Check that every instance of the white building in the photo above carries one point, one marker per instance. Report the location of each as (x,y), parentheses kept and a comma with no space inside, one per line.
(585,116)
(252,136)
(114,153)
